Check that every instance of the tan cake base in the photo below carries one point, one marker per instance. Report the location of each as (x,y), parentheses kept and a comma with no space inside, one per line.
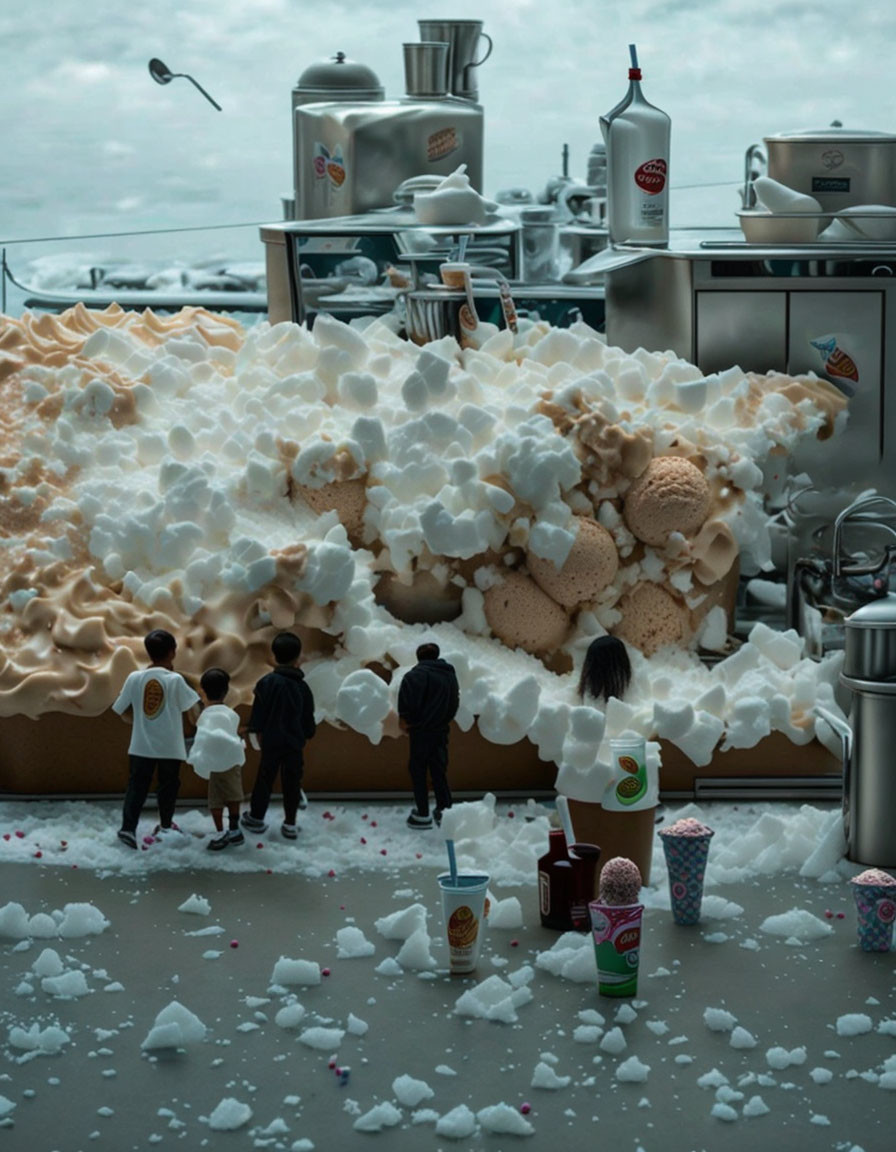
(80,756)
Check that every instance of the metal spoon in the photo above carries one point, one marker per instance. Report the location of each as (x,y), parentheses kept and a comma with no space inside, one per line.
(162,74)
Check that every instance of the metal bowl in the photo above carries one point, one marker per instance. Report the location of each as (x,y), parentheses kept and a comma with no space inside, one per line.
(779,228)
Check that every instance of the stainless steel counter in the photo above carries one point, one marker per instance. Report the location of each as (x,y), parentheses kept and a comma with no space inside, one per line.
(717,301)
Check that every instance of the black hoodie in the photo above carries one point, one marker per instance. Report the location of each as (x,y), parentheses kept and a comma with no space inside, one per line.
(428,697)
(283,708)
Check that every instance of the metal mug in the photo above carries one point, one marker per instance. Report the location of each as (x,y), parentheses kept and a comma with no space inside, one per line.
(426,68)
(463,38)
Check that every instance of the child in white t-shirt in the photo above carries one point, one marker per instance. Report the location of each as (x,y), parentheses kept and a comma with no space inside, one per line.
(218,755)
(154,701)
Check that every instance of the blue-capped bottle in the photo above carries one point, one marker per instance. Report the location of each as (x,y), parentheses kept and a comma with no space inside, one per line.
(637,136)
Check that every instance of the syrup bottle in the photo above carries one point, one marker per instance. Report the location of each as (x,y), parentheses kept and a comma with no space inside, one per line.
(555,883)
(637,137)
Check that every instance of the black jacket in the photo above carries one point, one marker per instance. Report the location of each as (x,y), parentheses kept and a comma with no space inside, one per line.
(428,697)
(283,708)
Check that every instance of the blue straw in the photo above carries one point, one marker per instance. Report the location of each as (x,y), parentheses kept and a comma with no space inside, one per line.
(452,861)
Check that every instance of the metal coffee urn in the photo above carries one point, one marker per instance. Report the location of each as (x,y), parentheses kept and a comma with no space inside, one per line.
(869,790)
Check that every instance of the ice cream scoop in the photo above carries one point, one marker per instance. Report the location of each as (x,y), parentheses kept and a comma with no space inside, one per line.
(620,882)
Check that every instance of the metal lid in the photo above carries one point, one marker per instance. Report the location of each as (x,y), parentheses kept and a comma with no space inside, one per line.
(875,614)
(338,78)
(833,134)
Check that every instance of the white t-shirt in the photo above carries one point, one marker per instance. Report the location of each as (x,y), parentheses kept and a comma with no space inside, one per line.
(157,698)
(216,746)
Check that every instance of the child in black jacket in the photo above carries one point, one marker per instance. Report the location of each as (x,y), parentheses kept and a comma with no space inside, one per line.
(282,720)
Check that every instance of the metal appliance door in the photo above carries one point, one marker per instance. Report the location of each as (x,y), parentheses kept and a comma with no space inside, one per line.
(839,335)
(744,328)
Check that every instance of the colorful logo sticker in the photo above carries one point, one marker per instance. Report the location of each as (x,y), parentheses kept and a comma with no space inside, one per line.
(441,144)
(836,361)
(329,166)
(651,176)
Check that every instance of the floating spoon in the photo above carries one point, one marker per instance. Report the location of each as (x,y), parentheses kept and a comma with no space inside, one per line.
(162,74)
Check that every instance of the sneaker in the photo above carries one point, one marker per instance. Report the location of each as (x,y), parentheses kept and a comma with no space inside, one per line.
(437,816)
(219,842)
(235,836)
(289,831)
(171,829)
(415,820)
(303,799)
(127,837)
(252,823)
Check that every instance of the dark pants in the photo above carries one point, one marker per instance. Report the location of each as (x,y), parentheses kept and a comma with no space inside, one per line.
(139,780)
(429,753)
(289,763)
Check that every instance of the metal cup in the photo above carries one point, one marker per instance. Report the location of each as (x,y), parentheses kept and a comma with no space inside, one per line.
(463,38)
(426,68)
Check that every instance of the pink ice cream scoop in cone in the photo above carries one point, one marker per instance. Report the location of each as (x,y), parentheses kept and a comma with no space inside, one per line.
(616,927)
(686,846)
(875,895)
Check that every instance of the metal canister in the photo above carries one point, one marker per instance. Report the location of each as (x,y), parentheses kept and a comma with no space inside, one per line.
(841,168)
(870,644)
(869,787)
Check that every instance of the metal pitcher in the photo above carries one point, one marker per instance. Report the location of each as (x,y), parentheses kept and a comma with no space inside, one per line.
(462,37)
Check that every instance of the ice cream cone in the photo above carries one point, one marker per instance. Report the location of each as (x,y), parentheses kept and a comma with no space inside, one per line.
(875,896)
(686,847)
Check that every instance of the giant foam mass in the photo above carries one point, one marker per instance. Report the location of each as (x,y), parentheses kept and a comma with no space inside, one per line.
(511,502)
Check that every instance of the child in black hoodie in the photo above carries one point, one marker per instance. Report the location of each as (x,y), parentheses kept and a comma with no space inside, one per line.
(282,720)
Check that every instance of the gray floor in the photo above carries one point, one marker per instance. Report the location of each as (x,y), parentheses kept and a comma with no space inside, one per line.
(102,1093)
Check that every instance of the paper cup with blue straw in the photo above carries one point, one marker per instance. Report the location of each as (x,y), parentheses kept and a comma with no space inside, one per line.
(464,909)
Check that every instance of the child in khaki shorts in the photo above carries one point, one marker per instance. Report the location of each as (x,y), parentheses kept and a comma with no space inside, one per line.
(217,755)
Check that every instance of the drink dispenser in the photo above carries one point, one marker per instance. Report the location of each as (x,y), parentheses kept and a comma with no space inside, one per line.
(352,148)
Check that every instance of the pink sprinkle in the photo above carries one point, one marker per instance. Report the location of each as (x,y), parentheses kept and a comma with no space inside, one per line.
(332,873)
(382,852)
(525,1108)
(829,914)
(341,907)
(269,871)
(514,943)
(363,841)
(338,1071)
(840,915)
(364,817)
(6,836)
(331,1064)
(149,839)
(510,815)
(373,823)
(419,855)
(325,971)
(38,854)
(259,844)
(21,835)
(63,843)
(234,943)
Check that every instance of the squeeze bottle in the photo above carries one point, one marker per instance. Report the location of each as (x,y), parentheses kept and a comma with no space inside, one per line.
(637,137)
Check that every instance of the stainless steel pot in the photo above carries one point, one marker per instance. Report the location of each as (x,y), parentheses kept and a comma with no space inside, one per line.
(839,167)
(870,646)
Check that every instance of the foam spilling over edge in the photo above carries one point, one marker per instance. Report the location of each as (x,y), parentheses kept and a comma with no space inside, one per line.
(182,472)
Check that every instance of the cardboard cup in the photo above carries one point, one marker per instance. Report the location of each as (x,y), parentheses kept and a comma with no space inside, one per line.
(616,931)
(686,861)
(876,908)
(464,910)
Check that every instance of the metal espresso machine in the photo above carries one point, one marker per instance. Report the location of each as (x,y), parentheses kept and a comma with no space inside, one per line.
(352,147)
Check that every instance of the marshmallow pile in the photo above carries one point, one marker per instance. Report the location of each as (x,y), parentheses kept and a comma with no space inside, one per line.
(510,501)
